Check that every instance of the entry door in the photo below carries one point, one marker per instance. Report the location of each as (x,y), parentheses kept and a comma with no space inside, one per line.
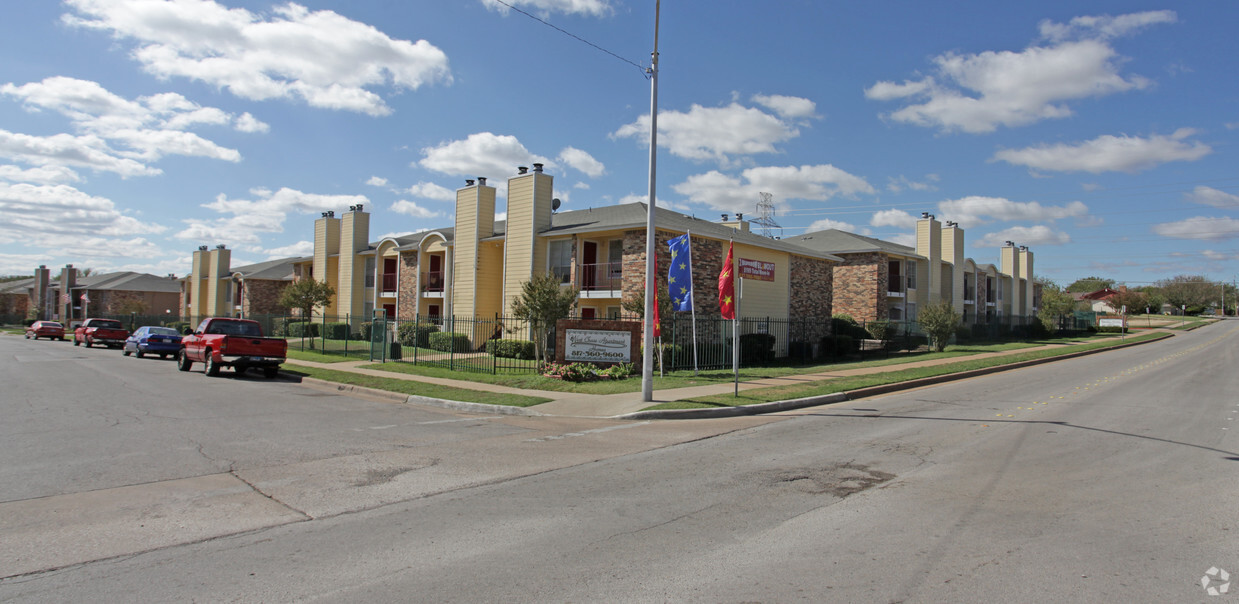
(589,263)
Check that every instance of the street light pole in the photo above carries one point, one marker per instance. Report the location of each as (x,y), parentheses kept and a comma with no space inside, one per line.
(647,357)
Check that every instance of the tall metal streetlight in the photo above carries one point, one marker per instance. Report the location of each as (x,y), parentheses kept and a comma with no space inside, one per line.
(647,357)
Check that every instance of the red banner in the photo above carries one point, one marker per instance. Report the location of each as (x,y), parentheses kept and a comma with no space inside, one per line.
(755,269)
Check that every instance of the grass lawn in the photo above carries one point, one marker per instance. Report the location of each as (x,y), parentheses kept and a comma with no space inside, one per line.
(780,393)
(684,379)
(416,388)
(318,357)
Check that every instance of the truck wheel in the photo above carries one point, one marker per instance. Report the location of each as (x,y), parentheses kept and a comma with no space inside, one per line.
(88,342)
(212,368)
(182,362)
(270,372)
(138,353)
(124,352)
(76,342)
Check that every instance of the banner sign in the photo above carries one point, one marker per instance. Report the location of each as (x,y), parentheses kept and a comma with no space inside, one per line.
(755,269)
(1111,322)
(593,346)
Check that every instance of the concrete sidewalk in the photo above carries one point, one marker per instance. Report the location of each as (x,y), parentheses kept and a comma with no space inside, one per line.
(613,405)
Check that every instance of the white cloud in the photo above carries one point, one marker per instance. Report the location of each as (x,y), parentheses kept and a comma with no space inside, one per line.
(899,184)
(1108,153)
(298,249)
(1021,235)
(977,93)
(61,216)
(482,154)
(713,133)
(410,208)
(591,8)
(377,181)
(265,214)
(429,190)
(1105,26)
(729,193)
(893,218)
(1217,256)
(582,162)
(1213,197)
(118,135)
(42,175)
(1199,227)
(827,223)
(788,107)
(975,210)
(320,57)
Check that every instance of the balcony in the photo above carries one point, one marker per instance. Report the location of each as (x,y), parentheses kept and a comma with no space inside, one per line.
(898,285)
(389,282)
(433,284)
(970,295)
(601,280)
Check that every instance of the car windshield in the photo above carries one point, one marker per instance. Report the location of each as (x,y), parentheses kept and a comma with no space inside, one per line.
(110,324)
(51,324)
(162,331)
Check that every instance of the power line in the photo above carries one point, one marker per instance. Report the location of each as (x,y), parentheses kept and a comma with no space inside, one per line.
(572,35)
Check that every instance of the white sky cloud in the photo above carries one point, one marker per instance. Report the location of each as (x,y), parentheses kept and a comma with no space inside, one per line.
(1109,153)
(828,223)
(714,133)
(899,184)
(1024,235)
(893,218)
(788,107)
(582,162)
(429,190)
(729,193)
(1105,26)
(43,175)
(1213,197)
(377,181)
(977,93)
(410,208)
(975,210)
(248,219)
(493,156)
(320,57)
(297,250)
(1199,227)
(543,8)
(62,216)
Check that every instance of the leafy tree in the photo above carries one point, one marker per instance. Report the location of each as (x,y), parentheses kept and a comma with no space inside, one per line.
(1193,292)
(939,320)
(1154,298)
(1056,302)
(1134,301)
(305,294)
(635,305)
(543,301)
(1089,284)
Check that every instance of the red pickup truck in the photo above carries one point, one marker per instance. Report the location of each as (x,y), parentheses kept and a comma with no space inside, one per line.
(108,332)
(237,343)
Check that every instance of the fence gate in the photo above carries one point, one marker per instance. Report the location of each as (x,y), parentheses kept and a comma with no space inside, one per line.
(378,336)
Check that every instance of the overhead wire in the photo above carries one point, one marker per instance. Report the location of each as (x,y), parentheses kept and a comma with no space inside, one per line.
(579,38)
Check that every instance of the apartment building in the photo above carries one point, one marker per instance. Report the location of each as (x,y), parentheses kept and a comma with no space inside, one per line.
(71,296)
(214,288)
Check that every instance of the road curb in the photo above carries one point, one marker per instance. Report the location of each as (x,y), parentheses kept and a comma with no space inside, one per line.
(838,397)
(397,397)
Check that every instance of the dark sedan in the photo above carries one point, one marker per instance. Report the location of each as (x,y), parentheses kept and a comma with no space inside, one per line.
(163,341)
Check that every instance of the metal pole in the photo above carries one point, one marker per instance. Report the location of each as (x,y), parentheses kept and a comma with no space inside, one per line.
(647,360)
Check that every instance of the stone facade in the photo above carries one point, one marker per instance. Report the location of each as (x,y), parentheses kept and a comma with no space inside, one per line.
(115,302)
(860,285)
(813,301)
(708,257)
(406,288)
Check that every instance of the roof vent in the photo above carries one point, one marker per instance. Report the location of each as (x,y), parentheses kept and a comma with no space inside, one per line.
(726,217)
(537,168)
(220,247)
(468,182)
(951,223)
(522,170)
(1009,244)
(203,248)
(352,208)
(739,216)
(331,213)
(924,214)
(359,207)
(481,181)
(1023,248)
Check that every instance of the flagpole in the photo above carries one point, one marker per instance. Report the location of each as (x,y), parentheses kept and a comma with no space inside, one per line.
(735,336)
(692,292)
(647,359)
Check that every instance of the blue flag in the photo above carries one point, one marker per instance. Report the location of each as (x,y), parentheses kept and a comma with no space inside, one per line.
(680,274)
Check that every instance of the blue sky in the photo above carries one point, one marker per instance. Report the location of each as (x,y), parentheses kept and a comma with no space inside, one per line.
(1099,134)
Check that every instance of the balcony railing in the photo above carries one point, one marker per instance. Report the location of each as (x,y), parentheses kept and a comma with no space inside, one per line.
(389,282)
(432,281)
(604,276)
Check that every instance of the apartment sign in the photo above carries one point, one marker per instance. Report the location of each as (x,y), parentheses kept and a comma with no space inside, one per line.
(755,269)
(595,346)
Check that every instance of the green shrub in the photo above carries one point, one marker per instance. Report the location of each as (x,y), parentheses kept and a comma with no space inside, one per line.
(302,329)
(880,330)
(510,349)
(838,346)
(800,351)
(363,331)
(179,326)
(756,348)
(336,331)
(1111,329)
(446,341)
(412,333)
(845,325)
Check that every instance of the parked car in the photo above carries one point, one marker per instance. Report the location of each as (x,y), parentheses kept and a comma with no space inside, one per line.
(45,329)
(108,332)
(238,343)
(152,339)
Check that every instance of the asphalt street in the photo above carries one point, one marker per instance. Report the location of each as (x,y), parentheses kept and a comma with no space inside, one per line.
(1108,477)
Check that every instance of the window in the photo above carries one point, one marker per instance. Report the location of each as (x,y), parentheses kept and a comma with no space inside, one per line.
(370,264)
(1000,289)
(560,259)
(912,274)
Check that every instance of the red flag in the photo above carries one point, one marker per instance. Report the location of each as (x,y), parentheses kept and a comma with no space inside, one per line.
(727,287)
(658,327)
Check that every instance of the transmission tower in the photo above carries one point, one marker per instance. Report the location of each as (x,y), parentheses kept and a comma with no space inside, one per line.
(765,217)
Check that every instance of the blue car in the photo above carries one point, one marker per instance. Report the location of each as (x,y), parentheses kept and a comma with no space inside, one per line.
(163,341)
